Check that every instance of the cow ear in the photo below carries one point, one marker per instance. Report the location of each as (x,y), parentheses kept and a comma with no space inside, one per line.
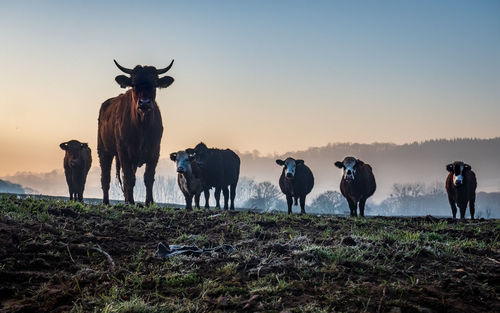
(173,156)
(165,81)
(467,166)
(190,151)
(64,146)
(280,162)
(299,162)
(359,162)
(339,164)
(449,167)
(123,81)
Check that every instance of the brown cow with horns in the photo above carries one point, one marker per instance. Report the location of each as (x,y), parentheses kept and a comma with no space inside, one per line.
(130,129)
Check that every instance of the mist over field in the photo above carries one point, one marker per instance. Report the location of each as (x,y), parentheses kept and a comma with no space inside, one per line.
(418,168)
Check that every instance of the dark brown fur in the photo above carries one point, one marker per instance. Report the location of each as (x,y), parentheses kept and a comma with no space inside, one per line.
(464,194)
(77,162)
(359,189)
(130,133)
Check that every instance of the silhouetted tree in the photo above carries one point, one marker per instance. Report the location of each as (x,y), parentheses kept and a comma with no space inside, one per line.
(264,196)
(329,202)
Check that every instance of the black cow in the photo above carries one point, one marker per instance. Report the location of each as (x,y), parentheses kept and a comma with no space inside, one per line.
(296,181)
(357,184)
(220,169)
(77,161)
(188,178)
(461,186)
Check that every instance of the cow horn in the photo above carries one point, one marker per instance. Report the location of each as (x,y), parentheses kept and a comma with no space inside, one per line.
(164,70)
(123,69)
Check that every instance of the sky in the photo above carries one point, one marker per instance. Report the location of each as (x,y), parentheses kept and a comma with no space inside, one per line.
(272,76)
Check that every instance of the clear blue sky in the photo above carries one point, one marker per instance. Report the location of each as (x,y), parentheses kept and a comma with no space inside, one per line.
(268,75)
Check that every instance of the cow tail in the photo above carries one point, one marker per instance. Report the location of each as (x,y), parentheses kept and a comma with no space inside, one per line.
(118,167)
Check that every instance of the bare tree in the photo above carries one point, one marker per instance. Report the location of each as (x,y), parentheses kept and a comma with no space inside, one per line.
(401,191)
(329,202)
(264,196)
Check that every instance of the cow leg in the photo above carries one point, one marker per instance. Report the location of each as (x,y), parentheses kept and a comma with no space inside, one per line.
(149,179)
(352,207)
(453,207)
(472,205)
(362,202)
(80,194)
(197,200)
(233,195)
(289,202)
(128,181)
(206,193)
(105,161)
(295,202)
(225,192)
(189,201)
(217,197)
(70,194)
(463,208)
(303,205)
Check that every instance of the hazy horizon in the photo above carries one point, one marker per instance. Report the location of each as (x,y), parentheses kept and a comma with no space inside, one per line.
(412,163)
(254,152)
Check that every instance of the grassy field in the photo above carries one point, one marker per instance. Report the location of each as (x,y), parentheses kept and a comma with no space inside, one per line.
(58,256)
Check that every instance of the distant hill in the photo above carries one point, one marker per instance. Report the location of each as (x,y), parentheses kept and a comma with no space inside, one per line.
(8,187)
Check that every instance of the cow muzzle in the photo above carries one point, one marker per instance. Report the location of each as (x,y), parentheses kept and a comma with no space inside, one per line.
(349,176)
(289,175)
(181,170)
(145,105)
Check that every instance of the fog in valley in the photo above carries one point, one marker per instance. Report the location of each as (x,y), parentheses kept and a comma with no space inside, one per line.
(410,178)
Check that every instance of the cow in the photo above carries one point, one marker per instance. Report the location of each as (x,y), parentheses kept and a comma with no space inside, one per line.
(461,186)
(130,129)
(188,177)
(296,182)
(77,161)
(219,169)
(357,183)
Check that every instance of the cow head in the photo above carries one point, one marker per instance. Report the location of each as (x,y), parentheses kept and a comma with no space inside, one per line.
(458,168)
(289,166)
(350,165)
(200,153)
(183,161)
(144,80)
(74,150)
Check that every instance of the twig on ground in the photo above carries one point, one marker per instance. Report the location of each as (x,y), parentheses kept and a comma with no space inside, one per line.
(110,259)
(69,252)
(493,260)
(381,301)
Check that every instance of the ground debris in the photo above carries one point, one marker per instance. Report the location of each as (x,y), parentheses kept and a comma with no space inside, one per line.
(271,262)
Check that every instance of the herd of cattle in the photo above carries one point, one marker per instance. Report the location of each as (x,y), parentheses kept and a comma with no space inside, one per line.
(130,130)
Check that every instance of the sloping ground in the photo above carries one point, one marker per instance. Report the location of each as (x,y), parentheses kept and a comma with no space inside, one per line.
(53,259)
